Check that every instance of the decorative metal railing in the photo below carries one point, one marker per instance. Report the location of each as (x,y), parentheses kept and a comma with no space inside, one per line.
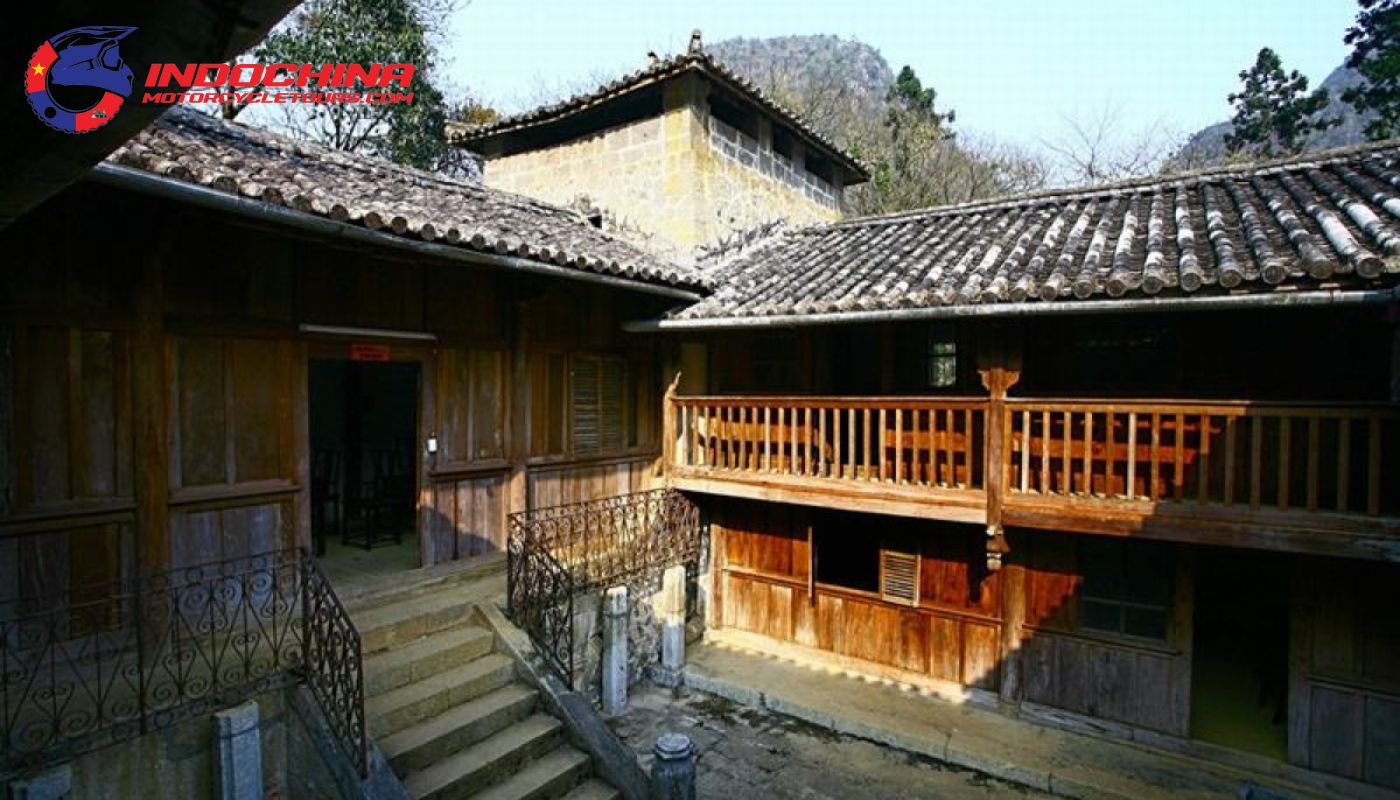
(94,665)
(556,553)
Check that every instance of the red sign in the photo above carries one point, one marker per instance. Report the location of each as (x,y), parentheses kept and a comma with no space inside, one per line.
(369,352)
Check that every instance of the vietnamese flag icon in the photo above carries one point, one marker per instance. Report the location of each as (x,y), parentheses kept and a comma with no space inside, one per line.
(36,72)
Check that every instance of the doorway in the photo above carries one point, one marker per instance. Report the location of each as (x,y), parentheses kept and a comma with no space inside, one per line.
(363,423)
(1239,692)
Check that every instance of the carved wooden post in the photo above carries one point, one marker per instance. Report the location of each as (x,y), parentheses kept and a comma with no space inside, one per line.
(998,381)
(669,433)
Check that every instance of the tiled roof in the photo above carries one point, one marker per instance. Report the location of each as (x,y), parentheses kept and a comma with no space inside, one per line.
(662,70)
(1327,220)
(195,148)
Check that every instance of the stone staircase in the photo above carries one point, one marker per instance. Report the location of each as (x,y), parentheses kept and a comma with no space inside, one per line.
(448,710)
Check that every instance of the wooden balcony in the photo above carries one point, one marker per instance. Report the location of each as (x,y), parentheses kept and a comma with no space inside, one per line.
(1300,477)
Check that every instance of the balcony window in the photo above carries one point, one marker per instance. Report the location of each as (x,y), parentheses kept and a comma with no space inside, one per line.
(942,360)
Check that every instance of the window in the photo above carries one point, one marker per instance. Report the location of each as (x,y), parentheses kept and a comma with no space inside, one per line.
(1126,589)
(942,360)
(599,405)
(741,119)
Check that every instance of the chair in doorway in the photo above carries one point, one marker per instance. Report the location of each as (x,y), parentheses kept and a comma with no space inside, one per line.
(386,501)
(327,495)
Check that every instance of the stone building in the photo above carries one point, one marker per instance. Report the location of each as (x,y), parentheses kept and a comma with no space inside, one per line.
(675,157)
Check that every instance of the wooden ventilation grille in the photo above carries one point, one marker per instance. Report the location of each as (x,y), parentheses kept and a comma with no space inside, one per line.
(899,577)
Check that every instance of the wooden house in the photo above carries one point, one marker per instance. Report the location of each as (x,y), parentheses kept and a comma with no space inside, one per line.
(1121,458)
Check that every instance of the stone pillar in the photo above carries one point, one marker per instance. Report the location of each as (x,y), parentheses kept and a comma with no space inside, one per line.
(672,611)
(238,760)
(52,784)
(615,651)
(673,771)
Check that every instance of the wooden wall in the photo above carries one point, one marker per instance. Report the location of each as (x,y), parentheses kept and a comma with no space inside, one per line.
(1145,684)
(955,633)
(236,466)
(953,636)
(157,395)
(1344,674)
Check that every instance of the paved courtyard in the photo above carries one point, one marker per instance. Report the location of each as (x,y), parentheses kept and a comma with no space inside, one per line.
(746,752)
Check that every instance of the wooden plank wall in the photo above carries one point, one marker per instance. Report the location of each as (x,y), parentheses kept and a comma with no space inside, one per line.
(66,499)
(552,485)
(1344,697)
(1141,684)
(235,460)
(953,636)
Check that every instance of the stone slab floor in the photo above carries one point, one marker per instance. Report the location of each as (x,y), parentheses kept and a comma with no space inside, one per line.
(745,752)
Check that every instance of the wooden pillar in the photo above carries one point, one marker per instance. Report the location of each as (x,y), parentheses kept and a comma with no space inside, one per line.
(668,426)
(150,378)
(1013,618)
(518,413)
(428,520)
(1393,317)
(999,366)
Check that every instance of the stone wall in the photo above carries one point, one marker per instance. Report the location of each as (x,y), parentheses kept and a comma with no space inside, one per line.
(644,601)
(670,183)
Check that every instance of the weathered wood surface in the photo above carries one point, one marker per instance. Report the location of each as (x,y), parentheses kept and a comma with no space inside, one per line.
(1297,477)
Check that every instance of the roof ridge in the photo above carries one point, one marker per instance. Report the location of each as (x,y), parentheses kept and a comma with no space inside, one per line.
(1188,177)
(458,132)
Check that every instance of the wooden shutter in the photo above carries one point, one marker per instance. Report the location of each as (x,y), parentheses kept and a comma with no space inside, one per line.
(899,577)
(599,392)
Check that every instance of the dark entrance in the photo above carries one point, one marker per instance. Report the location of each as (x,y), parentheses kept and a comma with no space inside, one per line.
(363,430)
(1239,694)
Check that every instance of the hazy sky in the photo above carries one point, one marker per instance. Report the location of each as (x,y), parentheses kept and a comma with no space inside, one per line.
(1011,68)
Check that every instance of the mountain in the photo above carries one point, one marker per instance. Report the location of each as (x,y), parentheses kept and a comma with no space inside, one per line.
(827,79)
(1207,146)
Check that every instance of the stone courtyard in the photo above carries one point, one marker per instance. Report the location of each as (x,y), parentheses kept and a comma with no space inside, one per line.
(744,752)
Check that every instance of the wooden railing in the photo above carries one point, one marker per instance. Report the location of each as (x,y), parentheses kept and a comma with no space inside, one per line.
(929,442)
(1233,457)
(1255,455)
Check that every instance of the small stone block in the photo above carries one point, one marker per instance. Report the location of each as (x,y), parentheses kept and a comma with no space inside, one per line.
(238,757)
(51,784)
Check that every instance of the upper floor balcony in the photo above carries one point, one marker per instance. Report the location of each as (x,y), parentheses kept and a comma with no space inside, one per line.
(1305,477)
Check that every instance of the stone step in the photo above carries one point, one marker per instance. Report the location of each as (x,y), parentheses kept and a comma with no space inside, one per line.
(425,657)
(487,762)
(394,624)
(392,711)
(434,579)
(419,746)
(548,777)
(593,789)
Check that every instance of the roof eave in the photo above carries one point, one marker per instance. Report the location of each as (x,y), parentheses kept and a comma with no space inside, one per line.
(132,179)
(1315,298)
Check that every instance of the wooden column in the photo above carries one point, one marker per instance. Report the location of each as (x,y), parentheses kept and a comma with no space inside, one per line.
(518,412)
(428,426)
(999,367)
(150,379)
(668,426)
(1393,317)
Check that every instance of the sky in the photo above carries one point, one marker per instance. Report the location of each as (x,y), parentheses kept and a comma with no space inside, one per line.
(1012,70)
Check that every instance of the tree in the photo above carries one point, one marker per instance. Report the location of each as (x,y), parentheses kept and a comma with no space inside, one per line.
(1274,111)
(1095,148)
(916,162)
(1375,41)
(371,32)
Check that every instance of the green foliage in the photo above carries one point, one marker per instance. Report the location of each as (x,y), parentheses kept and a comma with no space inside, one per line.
(1274,111)
(371,32)
(1375,41)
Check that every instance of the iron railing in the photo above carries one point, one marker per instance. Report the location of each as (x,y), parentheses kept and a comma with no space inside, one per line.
(92,666)
(559,552)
